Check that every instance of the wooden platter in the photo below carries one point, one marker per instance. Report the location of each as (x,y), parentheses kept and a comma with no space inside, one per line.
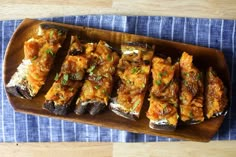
(203,58)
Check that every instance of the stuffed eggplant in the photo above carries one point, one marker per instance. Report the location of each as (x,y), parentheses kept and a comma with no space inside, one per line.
(191,92)
(133,72)
(163,109)
(216,98)
(95,93)
(39,55)
(67,83)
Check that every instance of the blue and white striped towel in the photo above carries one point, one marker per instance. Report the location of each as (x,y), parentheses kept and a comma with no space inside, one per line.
(214,33)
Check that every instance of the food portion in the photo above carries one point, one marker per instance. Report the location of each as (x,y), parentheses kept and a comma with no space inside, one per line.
(191,93)
(216,98)
(163,109)
(97,88)
(133,72)
(60,96)
(39,55)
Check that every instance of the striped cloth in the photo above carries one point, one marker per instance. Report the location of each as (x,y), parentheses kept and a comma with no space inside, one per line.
(214,33)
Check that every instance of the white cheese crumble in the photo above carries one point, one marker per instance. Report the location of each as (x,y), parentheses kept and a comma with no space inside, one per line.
(18,77)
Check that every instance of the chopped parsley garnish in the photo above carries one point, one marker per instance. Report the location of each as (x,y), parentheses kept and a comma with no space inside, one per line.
(65,79)
(59,33)
(105,92)
(199,76)
(51,34)
(98,78)
(165,110)
(158,82)
(35,57)
(97,87)
(91,69)
(143,85)
(109,57)
(128,81)
(61,97)
(164,73)
(136,103)
(56,77)
(71,89)
(135,70)
(185,82)
(49,51)
(186,74)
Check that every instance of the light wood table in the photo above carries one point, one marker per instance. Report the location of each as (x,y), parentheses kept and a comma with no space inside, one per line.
(19,9)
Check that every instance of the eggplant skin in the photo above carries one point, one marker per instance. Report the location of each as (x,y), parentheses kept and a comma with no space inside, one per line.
(19,92)
(127,115)
(163,127)
(49,26)
(192,121)
(57,109)
(93,107)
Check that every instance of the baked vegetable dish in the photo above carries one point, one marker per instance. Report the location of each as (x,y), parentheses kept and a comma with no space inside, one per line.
(163,109)
(97,88)
(133,72)
(39,54)
(95,77)
(191,93)
(69,80)
(216,98)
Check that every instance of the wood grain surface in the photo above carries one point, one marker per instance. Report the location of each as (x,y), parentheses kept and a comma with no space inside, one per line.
(160,149)
(20,9)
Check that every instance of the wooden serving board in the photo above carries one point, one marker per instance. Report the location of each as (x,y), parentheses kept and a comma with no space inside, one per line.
(203,58)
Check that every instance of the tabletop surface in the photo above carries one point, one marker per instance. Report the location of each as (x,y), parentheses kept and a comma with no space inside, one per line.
(14,9)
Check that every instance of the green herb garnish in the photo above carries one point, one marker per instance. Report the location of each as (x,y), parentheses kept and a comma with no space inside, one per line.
(136,104)
(185,82)
(109,57)
(165,109)
(97,87)
(135,70)
(59,33)
(49,51)
(158,82)
(164,73)
(65,79)
(91,69)
(51,34)
(76,76)
(71,89)
(191,115)
(56,77)
(199,76)
(143,85)
(98,78)
(35,57)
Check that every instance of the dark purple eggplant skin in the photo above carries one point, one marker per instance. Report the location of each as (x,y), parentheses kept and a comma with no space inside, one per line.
(80,109)
(96,108)
(164,127)
(124,114)
(49,26)
(57,109)
(93,108)
(19,92)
